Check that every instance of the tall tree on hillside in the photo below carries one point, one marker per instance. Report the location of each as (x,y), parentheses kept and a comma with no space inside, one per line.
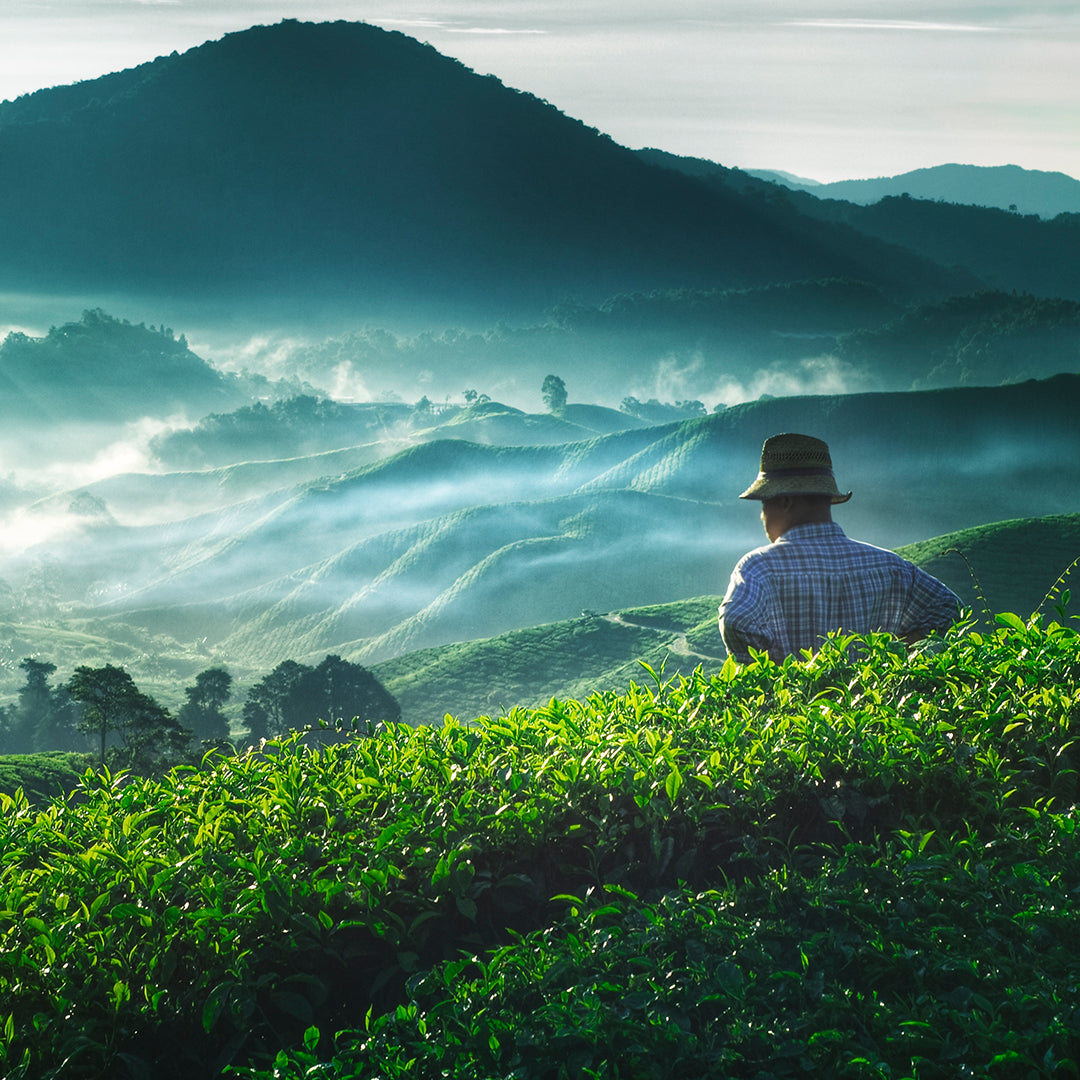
(553,390)
(273,707)
(201,713)
(154,739)
(112,703)
(295,697)
(44,718)
(108,696)
(348,696)
(34,701)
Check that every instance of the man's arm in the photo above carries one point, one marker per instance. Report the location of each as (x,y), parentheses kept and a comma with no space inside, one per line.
(932,606)
(739,618)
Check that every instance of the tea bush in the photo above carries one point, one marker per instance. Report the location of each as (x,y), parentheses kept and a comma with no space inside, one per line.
(861,863)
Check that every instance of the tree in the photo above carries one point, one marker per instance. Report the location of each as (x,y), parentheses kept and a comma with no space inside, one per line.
(201,713)
(553,390)
(111,702)
(347,696)
(45,718)
(7,721)
(272,707)
(34,701)
(153,738)
(108,695)
(296,697)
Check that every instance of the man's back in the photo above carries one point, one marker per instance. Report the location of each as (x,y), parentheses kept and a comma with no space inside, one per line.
(787,595)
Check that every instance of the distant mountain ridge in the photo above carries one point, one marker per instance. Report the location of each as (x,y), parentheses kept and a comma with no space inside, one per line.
(998,249)
(1006,187)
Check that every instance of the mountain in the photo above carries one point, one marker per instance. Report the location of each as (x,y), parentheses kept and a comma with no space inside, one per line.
(326,167)
(779,176)
(1006,187)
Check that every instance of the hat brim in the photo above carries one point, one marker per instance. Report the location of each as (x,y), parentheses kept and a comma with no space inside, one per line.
(766,487)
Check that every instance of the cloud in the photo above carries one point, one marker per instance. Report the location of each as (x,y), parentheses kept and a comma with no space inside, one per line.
(490,30)
(814,375)
(450,28)
(891,24)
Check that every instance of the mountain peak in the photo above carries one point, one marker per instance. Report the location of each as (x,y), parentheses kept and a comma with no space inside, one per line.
(343,165)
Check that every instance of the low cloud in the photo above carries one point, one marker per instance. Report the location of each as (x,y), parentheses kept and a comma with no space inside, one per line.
(128,452)
(813,375)
(682,378)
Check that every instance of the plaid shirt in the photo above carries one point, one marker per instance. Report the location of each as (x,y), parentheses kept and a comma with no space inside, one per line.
(786,596)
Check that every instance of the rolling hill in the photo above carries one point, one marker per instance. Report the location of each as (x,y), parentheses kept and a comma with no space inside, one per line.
(601,651)
(451,540)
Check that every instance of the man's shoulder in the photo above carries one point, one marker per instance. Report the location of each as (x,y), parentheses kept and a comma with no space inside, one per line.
(759,556)
(819,542)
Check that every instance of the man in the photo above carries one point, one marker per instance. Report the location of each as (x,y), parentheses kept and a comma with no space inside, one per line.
(810,579)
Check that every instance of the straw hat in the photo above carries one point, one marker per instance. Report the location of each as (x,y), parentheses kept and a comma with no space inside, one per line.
(795,465)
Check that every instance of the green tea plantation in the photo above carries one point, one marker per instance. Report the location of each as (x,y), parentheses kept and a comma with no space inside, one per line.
(863,863)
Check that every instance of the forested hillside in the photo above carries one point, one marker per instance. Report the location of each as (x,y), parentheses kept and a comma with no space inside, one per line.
(303,168)
(999,247)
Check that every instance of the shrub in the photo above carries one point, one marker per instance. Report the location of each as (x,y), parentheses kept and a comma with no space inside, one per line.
(860,863)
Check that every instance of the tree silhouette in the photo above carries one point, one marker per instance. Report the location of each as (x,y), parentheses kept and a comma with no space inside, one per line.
(45,717)
(111,702)
(108,696)
(273,706)
(201,713)
(295,697)
(553,390)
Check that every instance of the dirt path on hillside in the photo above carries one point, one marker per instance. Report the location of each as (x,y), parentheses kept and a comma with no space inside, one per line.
(680,644)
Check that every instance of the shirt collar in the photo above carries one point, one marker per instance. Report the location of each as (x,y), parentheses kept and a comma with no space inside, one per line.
(813,530)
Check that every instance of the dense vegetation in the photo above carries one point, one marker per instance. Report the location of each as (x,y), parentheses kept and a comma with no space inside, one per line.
(101,709)
(104,369)
(861,864)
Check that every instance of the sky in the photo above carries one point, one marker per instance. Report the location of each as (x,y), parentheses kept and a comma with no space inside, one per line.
(829,90)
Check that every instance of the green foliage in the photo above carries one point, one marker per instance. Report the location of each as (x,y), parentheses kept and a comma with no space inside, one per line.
(42,777)
(339,697)
(111,703)
(201,714)
(856,864)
